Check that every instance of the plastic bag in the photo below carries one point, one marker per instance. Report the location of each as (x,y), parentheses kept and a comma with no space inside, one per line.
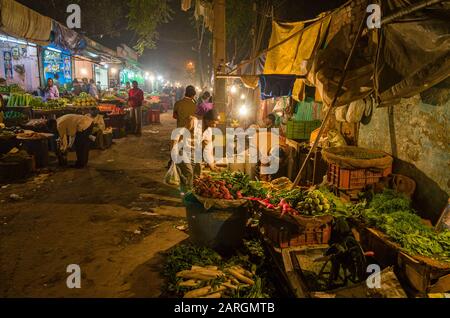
(356,111)
(335,139)
(172,177)
(341,113)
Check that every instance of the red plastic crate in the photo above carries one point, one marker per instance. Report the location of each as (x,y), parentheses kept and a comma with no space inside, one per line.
(154,117)
(347,179)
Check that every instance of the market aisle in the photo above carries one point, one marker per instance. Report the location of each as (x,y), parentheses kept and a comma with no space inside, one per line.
(111,219)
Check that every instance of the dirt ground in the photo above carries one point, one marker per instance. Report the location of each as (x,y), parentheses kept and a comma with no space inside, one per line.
(112,219)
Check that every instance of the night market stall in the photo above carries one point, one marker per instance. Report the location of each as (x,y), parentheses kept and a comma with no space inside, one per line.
(369,214)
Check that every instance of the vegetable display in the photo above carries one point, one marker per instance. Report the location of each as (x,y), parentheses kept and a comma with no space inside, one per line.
(84,100)
(51,104)
(13,115)
(16,100)
(391,213)
(315,203)
(225,185)
(199,272)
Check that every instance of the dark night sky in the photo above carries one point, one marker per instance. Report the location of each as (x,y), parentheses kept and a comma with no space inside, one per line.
(174,47)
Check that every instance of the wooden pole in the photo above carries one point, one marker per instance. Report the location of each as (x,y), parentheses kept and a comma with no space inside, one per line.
(219,57)
(333,103)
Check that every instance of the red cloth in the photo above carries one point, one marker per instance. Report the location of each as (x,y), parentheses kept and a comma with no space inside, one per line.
(135,97)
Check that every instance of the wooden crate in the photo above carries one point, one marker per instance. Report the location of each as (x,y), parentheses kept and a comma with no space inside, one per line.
(423,274)
(386,252)
(286,232)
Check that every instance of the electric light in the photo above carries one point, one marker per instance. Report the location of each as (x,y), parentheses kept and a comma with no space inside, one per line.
(233,89)
(243,111)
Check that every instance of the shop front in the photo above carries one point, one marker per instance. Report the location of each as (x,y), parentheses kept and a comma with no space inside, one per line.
(83,69)
(19,63)
(57,64)
(128,75)
(101,76)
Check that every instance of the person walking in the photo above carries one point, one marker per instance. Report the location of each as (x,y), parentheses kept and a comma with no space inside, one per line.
(185,107)
(189,164)
(135,100)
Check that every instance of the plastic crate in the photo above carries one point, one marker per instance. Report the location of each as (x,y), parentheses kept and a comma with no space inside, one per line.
(301,130)
(308,110)
(346,179)
(154,117)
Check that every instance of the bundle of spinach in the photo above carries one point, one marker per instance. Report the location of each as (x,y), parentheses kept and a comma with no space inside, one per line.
(391,213)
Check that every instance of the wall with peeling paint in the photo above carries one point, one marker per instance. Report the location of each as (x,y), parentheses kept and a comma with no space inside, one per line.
(418,136)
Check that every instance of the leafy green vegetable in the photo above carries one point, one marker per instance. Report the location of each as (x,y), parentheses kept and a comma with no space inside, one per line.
(391,213)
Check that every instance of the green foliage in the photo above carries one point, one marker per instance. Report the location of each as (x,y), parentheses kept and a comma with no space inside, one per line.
(391,213)
(144,17)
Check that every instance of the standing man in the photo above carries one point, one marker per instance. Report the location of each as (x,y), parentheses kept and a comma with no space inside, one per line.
(185,107)
(135,100)
(200,137)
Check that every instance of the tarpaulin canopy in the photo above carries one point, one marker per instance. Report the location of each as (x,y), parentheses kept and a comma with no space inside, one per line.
(403,58)
(67,39)
(293,57)
(22,22)
(415,52)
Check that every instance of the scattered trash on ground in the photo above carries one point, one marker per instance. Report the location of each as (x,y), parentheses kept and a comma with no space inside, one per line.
(149,213)
(15,197)
(182,227)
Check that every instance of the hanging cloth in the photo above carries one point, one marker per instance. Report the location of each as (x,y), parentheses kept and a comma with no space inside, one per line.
(250,81)
(204,9)
(186,5)
(276,85)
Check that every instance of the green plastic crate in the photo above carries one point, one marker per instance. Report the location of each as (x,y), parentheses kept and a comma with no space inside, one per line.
(301,130)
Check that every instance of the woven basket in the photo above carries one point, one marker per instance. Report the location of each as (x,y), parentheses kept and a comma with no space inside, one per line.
(349,157)
(210,203)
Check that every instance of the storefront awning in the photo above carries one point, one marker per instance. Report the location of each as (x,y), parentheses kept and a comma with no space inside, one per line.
(22,22)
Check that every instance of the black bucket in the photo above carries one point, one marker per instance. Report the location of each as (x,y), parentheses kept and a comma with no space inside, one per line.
(219,229)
